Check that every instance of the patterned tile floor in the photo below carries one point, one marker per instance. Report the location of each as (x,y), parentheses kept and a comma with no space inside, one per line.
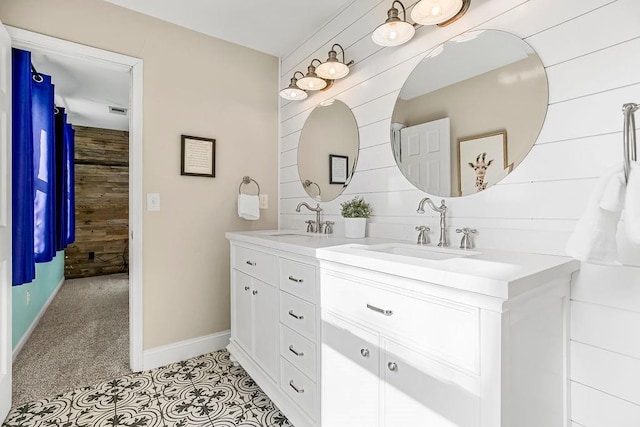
(203,391)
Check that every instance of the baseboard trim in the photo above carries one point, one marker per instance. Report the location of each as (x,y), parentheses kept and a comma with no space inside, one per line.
(171,353)
(35,322)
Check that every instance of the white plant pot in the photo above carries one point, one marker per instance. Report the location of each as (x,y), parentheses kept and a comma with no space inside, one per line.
(355,228)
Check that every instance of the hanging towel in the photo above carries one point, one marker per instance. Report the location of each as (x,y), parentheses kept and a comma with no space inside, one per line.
(248,207)
(594,238)
(632,209)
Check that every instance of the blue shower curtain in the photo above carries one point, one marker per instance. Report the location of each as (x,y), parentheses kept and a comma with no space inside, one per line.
(43,176)
(24,269)
(44,156)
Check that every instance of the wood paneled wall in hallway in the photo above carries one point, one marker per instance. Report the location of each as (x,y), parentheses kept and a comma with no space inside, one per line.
(102,203)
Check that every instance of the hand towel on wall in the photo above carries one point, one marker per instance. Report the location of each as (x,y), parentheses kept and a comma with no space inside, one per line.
(248,207)
(632,209)
(594,238)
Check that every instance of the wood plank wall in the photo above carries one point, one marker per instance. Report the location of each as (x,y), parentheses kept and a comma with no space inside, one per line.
(590,51)
(102,203)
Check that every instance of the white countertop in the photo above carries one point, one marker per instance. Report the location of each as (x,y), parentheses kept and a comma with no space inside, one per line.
(490,272)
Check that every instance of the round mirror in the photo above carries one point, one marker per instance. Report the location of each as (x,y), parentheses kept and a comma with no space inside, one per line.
(328,150)
(469,113)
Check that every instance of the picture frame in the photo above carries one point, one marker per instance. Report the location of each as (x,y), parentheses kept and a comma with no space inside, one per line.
(338,169)
(482,161)
(197,156)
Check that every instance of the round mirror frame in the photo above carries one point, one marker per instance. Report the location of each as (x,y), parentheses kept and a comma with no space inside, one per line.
(476,159)
(330,132)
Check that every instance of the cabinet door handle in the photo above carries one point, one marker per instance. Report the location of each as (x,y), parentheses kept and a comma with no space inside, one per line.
(295,316)
(392,366)
(293,350)
(364,352)
(255,292)
(379,310)
(293,279)
(251,263)
(246,288)
(298,390)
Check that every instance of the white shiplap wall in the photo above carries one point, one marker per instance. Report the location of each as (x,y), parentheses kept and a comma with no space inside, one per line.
(591,50)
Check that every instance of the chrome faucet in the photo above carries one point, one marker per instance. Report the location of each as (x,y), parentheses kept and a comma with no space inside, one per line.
(317,210)
(422,235)
(442,210)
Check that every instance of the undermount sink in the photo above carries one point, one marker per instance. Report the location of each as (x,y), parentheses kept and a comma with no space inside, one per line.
(288,234)
(422,252)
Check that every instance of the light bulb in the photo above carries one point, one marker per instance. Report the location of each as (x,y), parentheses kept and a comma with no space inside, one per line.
(436,10)
(311,85)
(432,12)
(393,35)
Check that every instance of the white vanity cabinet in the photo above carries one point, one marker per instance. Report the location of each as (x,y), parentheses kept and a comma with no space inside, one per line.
(254,320)
(416,353)
(275,326)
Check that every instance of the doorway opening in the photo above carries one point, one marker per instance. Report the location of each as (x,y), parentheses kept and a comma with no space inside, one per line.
(105,263)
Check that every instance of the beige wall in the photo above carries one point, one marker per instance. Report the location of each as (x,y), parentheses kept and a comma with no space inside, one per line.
(512,98)
(196,85)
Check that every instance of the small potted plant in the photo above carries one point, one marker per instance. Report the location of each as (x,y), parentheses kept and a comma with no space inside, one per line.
(355,213)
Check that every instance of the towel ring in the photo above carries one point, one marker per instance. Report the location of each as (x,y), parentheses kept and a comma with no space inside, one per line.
(629,146)
(247,180)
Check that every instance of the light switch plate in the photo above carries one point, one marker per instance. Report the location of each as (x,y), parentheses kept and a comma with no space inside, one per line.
(264,201)
(153,201)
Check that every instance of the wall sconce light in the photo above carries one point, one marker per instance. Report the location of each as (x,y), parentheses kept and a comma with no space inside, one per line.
(439,12)
(332,68)
(394,31)
(311,81)
(293,92)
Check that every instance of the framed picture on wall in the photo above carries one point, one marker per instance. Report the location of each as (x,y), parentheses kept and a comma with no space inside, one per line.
(482,161)
(198,156)
(338,169)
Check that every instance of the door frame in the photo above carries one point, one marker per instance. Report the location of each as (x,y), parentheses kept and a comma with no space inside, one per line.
(31,41)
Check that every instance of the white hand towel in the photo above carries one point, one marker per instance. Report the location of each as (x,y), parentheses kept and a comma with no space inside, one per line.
(594,238)
(632,208)
(248,207)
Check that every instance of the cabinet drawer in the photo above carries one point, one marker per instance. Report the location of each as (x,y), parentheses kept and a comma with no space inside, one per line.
(298,387)
(299,315)
(299,351)
(258,264)
(445,329)
(298,279)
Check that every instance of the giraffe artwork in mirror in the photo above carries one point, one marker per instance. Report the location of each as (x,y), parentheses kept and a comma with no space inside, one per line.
(469,113)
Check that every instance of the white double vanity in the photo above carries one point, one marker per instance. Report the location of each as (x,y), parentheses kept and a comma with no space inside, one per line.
(373,332)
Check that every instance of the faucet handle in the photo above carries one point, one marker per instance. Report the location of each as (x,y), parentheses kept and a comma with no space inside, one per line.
(309,223)
(466,242)
(422,235)
(328,227)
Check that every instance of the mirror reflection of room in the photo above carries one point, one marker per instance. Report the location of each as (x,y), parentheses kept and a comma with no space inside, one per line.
(328,150)
(469,113)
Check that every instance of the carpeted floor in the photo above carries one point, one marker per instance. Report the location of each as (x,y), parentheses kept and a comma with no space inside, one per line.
(83,338)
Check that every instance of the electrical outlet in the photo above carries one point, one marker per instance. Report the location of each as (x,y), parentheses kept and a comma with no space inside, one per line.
(264,201)
(92,255)
(28,297)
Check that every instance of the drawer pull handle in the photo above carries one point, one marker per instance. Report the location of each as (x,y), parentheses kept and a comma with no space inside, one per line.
(255,292)
(379,310)
(293,350)
(246,288)
(364,352)
(392,366)
(295,316)
(298,390)
(251,263)
(293,279)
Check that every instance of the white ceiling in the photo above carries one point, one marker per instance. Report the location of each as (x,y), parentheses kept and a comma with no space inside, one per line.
(274,27)
(86,89)
(461,61)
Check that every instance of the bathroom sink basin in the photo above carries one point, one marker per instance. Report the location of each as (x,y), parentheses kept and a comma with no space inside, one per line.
(288,234)
(421,252)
